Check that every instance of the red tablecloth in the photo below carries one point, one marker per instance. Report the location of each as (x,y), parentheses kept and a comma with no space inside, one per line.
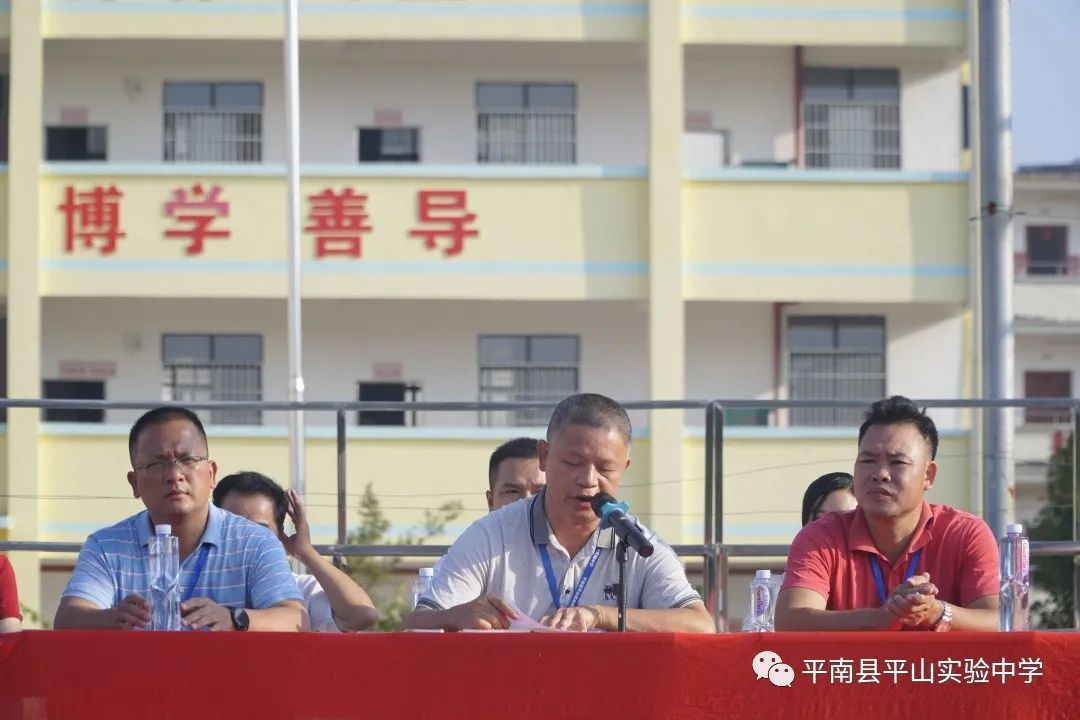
(521,676)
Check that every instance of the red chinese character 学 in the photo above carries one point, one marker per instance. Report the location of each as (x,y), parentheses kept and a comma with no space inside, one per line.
(198,210)
(447,208)
(92,215)
(339,222)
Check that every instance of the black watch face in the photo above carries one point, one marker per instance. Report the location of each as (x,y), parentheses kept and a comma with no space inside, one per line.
(240,619)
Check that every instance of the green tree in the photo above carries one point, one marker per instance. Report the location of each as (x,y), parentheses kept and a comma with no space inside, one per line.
(1054,575)
(30,615)
(394,601)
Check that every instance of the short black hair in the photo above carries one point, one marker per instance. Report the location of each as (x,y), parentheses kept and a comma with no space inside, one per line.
(160,416)
(590,410)
(897,410)
(249,482)
(521,448)
(820,489)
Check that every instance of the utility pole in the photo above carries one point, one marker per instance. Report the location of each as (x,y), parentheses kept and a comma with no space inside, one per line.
(994,74)
(295,285)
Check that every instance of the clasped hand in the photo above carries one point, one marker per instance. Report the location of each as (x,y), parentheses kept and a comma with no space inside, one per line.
(914,602)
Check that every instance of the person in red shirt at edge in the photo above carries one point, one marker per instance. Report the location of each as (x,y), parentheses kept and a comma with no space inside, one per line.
(10,617)
(896,562)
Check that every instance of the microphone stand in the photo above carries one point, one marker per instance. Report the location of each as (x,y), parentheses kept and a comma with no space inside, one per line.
(620,558)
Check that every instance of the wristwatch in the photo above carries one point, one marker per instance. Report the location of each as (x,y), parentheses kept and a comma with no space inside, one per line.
(240,620)
(944,623)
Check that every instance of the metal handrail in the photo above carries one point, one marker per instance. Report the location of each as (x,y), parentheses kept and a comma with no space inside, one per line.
(448,406)
(714,552)
(1039,548)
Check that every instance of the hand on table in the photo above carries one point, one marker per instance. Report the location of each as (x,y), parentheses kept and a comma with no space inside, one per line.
(131,613)
(205,614)
(484,613)
(582,618)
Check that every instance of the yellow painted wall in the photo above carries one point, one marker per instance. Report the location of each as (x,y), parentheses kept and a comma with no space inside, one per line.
(838,22)
(764,480)
(358,20)
(826,241)
(748,22)
(566,239)
(83,477)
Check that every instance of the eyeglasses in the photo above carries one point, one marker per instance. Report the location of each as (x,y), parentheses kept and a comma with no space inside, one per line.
(187,463)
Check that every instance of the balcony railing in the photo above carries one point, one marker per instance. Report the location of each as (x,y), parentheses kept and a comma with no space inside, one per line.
(527,137)
(1067,267)
(207,135)
(1047,416)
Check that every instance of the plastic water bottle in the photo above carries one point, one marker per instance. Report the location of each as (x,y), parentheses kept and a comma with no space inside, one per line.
(1014,553)
(761,602)
(164,579)
(422,584)
(775,581)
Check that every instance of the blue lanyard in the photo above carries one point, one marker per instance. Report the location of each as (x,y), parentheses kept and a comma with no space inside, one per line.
(879,580)
(200,563)
(582,582)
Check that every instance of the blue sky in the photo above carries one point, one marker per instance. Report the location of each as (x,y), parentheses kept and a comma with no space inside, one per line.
(1046,81)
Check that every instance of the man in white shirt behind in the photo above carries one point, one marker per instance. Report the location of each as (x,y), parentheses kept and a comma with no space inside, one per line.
(335,602)
(548,558)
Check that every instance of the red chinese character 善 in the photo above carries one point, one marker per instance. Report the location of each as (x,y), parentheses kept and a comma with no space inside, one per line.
(93,218)
(198,210)
(339,222)
(448,211)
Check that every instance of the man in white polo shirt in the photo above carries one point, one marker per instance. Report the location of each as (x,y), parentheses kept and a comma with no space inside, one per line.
(548,558)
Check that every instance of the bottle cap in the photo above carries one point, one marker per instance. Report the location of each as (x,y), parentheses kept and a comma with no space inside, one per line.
(1014,529)
(427,572)
(763,574)
(163,529)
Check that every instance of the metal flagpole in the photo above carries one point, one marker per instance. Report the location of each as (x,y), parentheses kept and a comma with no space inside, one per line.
(996,231)
(292,134)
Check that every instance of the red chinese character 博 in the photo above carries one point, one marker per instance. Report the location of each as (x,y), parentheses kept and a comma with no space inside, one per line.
(448,210)
(339,222)
(92,215)
(198,210)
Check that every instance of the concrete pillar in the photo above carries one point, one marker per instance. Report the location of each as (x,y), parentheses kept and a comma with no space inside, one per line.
(23,301)
(667,342)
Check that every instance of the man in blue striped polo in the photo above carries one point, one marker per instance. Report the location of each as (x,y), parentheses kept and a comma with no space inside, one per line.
(233,573)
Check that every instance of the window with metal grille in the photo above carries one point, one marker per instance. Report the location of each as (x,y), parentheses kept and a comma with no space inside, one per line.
(524,368)
(835,358)
(213,122)
(527,123)
(851,118)
(1047,249)
(199,368)
(1047,384)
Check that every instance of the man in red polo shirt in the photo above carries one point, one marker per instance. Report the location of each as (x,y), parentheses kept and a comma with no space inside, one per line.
(895,562)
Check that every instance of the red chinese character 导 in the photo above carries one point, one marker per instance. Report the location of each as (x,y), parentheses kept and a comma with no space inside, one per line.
(447,209)
(339,222)
(198,210)
(92,215)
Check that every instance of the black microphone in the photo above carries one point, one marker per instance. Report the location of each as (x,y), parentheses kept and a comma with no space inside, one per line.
(614,514)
